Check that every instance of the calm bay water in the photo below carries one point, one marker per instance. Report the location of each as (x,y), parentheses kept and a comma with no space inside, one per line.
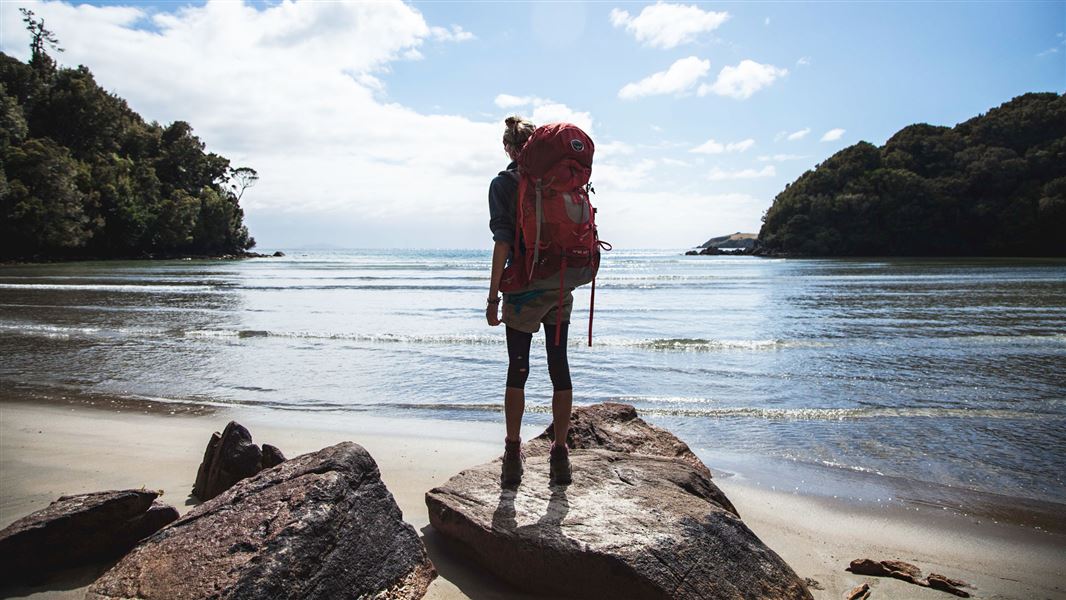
(944,371)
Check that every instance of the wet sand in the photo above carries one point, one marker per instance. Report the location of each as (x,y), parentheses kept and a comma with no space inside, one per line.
(51,448)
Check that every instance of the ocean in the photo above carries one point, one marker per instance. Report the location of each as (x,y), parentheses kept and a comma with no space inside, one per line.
(948,373)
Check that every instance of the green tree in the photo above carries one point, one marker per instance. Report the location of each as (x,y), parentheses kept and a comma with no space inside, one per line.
(43,209)
(39,39)
(989,186)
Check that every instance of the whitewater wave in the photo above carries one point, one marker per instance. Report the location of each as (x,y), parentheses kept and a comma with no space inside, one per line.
(445,339)
(768,414)
(112,287)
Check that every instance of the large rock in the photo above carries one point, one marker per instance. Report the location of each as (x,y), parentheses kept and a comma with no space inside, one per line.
(80,530)
(230,457)
(321,525)
(629,526)
(615,426)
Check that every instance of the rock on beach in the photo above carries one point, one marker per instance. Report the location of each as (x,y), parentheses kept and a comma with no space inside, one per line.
(641,519)
(231,456)
(78,530)
(321,525)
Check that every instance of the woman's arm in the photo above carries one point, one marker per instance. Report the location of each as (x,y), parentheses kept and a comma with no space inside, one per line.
(499,257)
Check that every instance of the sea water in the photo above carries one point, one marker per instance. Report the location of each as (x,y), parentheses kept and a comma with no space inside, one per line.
(946,371)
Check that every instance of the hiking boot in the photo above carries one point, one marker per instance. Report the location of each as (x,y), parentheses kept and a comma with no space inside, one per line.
(512,463)
(559,464)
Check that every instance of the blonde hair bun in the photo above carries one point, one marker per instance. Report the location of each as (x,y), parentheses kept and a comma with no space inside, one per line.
(518,129)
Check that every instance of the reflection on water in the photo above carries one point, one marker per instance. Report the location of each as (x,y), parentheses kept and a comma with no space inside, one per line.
(946,371)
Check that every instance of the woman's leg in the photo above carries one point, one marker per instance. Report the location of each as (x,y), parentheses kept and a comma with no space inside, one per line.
(559,370)
(514,397)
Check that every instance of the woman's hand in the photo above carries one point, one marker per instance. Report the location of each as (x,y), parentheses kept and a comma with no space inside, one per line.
(492,313)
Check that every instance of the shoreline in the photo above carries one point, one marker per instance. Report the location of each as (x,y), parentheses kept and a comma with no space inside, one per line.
(48,260)
(848,487)
(65,446)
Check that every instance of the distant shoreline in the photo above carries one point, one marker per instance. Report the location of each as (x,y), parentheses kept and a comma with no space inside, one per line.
(42,260)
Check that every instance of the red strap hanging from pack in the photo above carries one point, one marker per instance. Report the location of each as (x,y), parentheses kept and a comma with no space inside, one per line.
(559,307)
(592,307)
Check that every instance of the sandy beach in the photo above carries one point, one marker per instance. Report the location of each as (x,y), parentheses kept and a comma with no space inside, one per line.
(54,448)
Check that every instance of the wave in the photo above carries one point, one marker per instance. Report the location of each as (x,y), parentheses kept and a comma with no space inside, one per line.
(767,414)
(706,345)
(93,287)
(444,339)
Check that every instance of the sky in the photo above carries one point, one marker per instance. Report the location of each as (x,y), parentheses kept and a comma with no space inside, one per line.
(378,124)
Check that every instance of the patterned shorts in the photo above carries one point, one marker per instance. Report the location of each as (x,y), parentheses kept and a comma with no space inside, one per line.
(525,311)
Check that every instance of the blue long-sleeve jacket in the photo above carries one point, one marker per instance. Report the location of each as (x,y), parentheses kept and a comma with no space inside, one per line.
(503,196)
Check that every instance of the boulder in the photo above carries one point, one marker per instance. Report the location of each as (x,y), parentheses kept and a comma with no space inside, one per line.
(278,254)
(272,457)
(321,525)
(230,457)
(629,526)
(80,530)
(615,426)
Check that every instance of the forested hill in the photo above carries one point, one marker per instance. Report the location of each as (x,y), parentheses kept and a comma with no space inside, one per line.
(83,175)
(994,185)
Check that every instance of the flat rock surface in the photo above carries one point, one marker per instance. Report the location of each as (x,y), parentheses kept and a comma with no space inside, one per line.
(629,526)
(617,427)
(79,530)
(321,525)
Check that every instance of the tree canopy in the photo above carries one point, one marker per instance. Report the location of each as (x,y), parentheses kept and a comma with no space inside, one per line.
(81,174)
(994,185)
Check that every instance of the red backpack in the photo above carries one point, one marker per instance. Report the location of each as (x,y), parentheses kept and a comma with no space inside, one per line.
(556,242)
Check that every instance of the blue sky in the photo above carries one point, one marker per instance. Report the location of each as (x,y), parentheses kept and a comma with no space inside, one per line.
(378,124)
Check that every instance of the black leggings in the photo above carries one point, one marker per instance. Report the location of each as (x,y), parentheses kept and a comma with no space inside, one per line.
(518,351)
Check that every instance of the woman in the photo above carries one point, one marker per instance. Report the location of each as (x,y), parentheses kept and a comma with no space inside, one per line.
(523,313)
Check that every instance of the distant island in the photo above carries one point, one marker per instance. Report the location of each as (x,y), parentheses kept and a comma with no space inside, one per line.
(733,240)
(994,185)
(85,176)
(734,243)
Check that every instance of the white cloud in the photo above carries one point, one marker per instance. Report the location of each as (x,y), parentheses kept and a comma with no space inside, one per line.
(673,162)
(291,90)
(649,219)
(781,157)
(666,26)
(552,112)
(833,135)
(455,34)
(609,176)
(614,148)
(804,61)
(718,174)
(509,101)
(681,76)
(743,80)
(713,147)
(767,21)
(798,135)
(546,110)
(741,146)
